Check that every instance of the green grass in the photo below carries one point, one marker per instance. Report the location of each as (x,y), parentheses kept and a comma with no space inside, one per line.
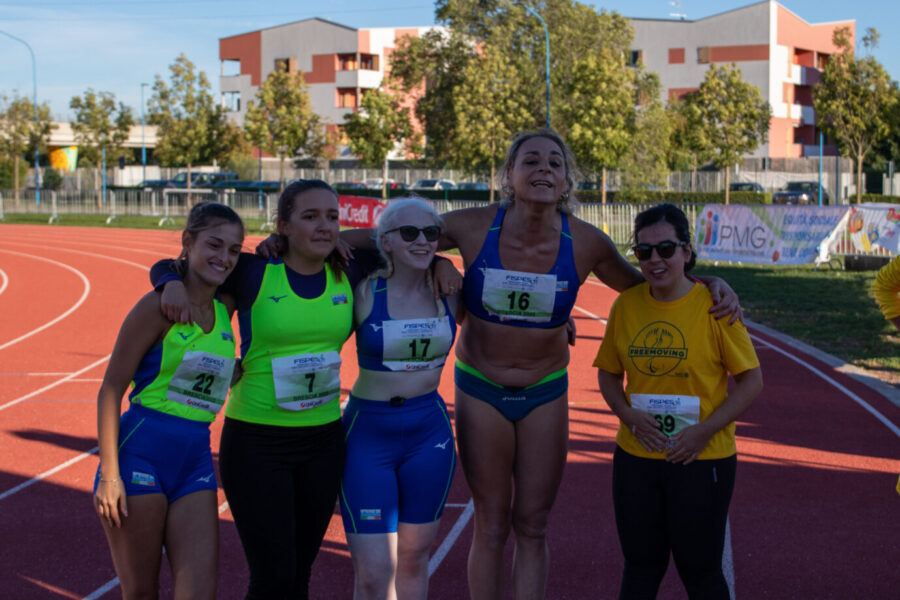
(831,310)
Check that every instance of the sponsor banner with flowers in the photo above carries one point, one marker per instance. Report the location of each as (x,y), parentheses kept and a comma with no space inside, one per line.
(359,211)
(783,235)
(873,226)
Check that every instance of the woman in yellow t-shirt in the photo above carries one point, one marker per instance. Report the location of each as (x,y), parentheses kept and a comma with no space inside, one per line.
(886,288)
(675,460)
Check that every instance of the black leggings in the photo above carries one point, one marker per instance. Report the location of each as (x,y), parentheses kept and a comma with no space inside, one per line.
(282,484)
(662,507)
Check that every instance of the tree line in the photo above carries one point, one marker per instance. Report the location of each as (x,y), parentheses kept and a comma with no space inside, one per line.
(469,86)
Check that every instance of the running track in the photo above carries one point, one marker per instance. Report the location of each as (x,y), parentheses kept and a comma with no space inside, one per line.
(814,515)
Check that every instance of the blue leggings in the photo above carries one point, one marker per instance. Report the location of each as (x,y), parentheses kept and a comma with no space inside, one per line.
(400,461)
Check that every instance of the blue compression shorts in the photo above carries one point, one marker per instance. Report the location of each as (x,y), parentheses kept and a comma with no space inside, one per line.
(513,403)
(400,461)
(163,454)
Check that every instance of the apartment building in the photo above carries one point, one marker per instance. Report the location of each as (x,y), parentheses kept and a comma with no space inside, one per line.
(777,51)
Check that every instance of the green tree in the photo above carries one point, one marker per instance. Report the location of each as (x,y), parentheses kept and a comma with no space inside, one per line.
(854,100)
(225,140)
(735,118)
(645,163)
(379,126)
(282,121)
(100,125)
(19,134)
(599,115)
(181,110)
(489,111)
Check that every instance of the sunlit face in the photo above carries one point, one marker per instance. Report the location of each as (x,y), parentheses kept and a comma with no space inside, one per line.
(415,254)
(663,274)
(538,173)
(214,252)
(313,227)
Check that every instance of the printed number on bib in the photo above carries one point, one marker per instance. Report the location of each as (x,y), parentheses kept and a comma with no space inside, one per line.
(201,381)
(305,381)
(519,296)
(673,413)
(416,344)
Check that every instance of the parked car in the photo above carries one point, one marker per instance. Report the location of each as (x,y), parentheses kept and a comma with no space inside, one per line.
(376,184)
(202,179)
(349,185)
(800,192)
(156,183)
(473,185)
(433,184)
(246,185)
(746,186)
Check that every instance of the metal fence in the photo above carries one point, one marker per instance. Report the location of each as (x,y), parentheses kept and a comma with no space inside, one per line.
(616,220)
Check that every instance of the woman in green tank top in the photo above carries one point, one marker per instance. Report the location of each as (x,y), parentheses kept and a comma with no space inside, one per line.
(143,494)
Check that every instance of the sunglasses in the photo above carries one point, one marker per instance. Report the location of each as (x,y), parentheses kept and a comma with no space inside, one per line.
(665,249)
(410,233)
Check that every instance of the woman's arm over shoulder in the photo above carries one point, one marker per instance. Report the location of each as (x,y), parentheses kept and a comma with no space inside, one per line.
(466,226)
(362,301)
(596,253)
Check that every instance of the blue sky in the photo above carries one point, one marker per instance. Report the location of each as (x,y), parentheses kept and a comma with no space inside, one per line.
(115,45)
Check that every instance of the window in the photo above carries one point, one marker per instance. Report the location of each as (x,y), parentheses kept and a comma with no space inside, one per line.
(676,56)
(368,62)
(635,57)
(703,55)
(347,62)
(231,101)
(346,98)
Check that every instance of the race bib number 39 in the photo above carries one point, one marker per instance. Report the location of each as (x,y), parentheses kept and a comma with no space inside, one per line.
(672,412)
(305,381)
(519,296)
(416,344)
(201,381)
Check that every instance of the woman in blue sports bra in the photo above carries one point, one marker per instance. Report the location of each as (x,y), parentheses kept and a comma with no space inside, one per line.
(525,259)
(400,449)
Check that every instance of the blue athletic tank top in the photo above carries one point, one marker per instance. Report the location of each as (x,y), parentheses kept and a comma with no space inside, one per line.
(519,298)
(386,344)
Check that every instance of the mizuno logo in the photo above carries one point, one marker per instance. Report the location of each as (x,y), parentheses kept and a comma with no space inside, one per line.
(275,300)
(375,326)
(205,479)
(442,446)
(185,336)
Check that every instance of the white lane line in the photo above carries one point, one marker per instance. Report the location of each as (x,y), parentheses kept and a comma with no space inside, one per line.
(50,386)
(4,281)
(728,560)
(46,474)
(591,315)
(73,308)
(448,542)
(884,420)
(109,585)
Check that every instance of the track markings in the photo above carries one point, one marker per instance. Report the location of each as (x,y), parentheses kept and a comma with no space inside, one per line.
(4,281)
(66,379)
(73,308)
(46,474)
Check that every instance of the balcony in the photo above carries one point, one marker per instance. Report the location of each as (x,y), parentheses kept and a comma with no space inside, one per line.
(357,78)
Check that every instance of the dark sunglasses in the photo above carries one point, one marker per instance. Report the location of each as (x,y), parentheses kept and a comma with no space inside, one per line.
(665,249)
(410,233)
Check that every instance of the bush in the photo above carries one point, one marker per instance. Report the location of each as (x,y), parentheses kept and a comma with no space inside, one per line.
(245,166)
(880,198)
(51,179)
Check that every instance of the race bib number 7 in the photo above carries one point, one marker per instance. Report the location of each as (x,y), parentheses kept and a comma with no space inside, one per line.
(673,413)
(305,381)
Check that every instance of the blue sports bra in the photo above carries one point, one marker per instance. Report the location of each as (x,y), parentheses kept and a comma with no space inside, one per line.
(521,298)
(386,344)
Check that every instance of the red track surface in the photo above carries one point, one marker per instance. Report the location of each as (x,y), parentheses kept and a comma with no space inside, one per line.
(814,514)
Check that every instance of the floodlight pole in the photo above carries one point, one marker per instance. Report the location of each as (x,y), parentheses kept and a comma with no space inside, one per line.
(37,167)
(143,139)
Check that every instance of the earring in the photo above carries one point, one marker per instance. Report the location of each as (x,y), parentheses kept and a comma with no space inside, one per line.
(564,198)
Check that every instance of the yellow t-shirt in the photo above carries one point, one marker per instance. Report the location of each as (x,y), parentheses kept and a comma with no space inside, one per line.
(675,349)
(885,288)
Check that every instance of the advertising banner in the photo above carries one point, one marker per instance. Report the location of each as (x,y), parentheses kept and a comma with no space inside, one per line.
(359,211)
(783,235)
(872,226)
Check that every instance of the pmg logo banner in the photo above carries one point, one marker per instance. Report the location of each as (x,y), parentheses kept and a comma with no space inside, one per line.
(784,235)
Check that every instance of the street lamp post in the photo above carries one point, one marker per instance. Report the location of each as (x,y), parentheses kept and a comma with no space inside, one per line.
(143,142)
(546,53)
(37,167)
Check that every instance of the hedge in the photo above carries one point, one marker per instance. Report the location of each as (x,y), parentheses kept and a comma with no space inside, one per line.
(659,196)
